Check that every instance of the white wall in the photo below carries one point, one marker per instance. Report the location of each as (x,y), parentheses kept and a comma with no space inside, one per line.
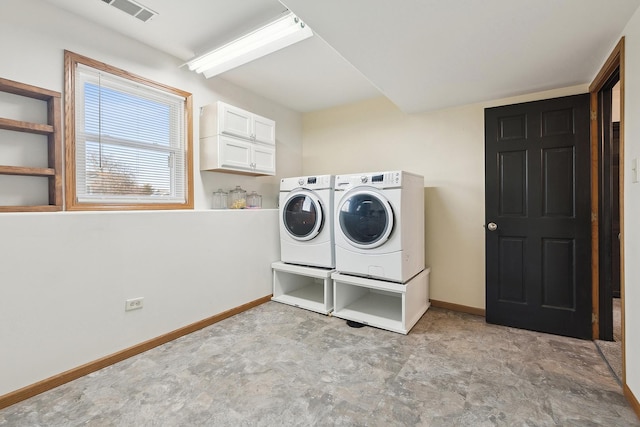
(51,317)
(447,147)
(632,203)
(65,278)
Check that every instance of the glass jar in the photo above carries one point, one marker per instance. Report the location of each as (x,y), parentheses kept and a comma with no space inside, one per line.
(254,200)
(238,198)
(220,199)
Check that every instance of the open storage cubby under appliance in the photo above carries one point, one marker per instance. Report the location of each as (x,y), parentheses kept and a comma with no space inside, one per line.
(396,307)
(304,287)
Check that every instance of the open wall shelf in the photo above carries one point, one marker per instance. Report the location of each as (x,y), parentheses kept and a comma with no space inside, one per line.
(52,129)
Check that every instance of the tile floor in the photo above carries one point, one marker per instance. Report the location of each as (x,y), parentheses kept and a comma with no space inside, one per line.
(277,365)
(612,350)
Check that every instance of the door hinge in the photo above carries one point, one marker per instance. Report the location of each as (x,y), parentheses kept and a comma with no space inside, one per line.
(594,115)
(594,318)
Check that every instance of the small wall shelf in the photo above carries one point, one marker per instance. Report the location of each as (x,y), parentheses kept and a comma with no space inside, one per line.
(54,144)
(304,287)
(392,306)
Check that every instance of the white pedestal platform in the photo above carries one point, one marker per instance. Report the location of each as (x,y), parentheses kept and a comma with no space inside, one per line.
(387,305)
(396,307)
(305,287)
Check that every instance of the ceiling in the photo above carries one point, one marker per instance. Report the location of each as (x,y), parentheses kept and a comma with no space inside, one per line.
(421,54)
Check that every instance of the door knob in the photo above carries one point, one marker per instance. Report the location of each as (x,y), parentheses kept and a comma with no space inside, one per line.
(492,226)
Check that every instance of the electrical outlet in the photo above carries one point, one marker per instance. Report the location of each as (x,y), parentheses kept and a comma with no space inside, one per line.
(133,304)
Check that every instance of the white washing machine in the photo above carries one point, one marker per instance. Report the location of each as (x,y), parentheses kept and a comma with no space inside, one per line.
(306,221)
(379,225)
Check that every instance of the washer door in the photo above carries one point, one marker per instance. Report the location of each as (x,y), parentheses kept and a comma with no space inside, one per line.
(302,215)
(365,218)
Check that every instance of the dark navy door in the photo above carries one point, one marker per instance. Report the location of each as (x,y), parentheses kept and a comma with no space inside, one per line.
(538,216)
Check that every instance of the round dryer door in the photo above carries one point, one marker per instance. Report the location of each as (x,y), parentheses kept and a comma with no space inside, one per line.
(302,215)
(366,219)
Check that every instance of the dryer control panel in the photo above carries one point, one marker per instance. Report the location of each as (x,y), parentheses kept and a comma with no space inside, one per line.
(318,182)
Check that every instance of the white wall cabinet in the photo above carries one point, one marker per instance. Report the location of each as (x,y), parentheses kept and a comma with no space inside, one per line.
(225,153)
(236,140)
(243,124)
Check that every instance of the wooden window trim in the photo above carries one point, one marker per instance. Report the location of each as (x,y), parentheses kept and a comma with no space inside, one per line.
(71,60)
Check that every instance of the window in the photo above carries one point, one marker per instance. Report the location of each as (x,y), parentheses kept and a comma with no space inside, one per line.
(128,140)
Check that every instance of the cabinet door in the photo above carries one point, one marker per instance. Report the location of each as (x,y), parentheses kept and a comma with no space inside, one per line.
(235,121)
(264,130)
(235,153)
(264,159)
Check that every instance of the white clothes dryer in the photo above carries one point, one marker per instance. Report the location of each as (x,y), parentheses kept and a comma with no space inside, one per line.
(379,225)
(306,221)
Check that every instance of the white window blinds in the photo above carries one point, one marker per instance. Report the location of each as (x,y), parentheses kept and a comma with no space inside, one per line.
(130,141)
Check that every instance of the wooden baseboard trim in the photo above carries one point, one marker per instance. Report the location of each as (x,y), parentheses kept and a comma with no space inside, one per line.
(631,399)
(75,373)
(457,307)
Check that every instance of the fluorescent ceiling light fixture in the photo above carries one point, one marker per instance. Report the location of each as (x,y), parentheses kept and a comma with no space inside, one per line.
(278,34)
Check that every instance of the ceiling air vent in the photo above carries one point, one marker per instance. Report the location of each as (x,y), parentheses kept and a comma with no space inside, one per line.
(132,8)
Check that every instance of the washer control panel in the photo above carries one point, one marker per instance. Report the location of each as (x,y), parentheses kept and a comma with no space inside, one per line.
(374,179)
